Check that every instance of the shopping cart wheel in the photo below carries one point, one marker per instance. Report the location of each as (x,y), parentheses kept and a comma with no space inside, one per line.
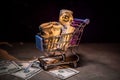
(41,64)
(45,67)
(73,64)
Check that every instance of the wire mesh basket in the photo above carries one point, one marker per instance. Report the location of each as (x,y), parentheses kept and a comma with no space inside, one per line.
(62,43)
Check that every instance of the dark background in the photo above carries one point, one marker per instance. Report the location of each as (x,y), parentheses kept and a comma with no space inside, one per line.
(22,18)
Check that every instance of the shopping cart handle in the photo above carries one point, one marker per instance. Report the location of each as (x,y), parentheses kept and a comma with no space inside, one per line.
(87,21)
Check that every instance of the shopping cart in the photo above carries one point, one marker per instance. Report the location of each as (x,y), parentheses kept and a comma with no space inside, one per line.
(61,44)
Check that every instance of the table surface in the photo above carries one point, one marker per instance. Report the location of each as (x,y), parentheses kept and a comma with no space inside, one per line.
(98,61)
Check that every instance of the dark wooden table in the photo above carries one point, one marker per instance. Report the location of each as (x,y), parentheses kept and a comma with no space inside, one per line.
(98,61)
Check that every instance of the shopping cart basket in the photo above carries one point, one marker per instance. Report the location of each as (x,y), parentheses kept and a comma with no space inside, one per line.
(61,44)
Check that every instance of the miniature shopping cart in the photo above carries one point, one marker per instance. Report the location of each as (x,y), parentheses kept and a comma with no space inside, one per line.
(61,44)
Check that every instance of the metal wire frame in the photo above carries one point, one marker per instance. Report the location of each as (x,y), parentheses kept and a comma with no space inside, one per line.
(63,42)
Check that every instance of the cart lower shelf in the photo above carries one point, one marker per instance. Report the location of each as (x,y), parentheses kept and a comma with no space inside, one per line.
(50,62)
